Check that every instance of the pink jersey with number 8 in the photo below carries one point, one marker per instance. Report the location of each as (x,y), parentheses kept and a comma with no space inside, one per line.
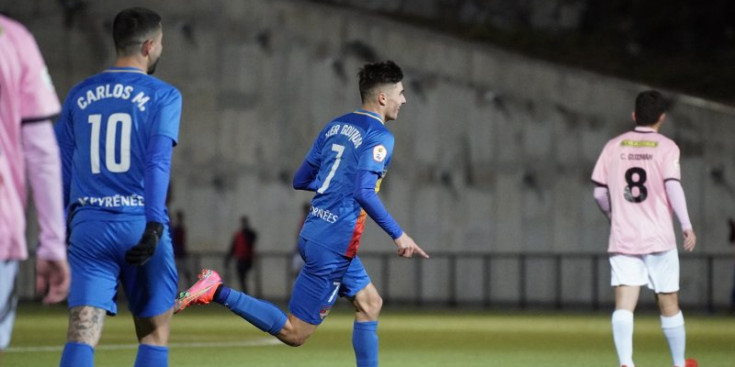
(634,167)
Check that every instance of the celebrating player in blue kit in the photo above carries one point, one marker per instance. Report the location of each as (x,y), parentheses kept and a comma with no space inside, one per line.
(344,167)
(116,135)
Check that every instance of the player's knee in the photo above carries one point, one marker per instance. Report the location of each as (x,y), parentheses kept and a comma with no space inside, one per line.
(293,340)
(296,342)
(376,304)
(371,306)
(293,335)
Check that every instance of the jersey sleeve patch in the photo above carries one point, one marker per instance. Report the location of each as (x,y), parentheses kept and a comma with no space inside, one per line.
(379,153)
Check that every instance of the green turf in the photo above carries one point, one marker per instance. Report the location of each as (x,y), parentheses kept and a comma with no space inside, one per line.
(211,336)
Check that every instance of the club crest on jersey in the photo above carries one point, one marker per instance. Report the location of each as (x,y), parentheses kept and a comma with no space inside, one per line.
(379,153)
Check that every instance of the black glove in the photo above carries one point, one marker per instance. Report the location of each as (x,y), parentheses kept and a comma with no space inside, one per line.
(146,247)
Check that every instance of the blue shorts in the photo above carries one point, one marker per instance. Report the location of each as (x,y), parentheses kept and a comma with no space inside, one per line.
(97,261)
(325,275)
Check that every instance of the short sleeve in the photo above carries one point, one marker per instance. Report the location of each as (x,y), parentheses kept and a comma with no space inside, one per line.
(168,117)
(374,157)
(599,173)
(38,96)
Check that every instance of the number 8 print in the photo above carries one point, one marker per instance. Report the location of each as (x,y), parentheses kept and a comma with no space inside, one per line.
(629,179)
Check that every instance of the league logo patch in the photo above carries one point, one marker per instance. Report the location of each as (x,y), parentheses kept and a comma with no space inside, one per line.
(379,153)
(676,165)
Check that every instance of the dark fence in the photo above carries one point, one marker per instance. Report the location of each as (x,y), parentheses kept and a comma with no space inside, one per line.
(515,280)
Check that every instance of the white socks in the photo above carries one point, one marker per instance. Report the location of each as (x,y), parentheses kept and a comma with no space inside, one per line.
(622,326)
(675,333)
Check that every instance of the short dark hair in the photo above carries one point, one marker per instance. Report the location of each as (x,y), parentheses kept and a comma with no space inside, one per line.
(649,106)
(132,26)
(375,74)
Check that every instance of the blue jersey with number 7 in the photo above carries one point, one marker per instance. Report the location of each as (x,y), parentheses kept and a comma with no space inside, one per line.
(107,121)
(356,141)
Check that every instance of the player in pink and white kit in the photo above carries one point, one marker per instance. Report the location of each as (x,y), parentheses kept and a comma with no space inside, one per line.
(28,103)
(637,180)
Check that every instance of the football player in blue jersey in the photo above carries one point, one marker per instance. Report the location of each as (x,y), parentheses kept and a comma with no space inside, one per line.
(344,167)
(116,134)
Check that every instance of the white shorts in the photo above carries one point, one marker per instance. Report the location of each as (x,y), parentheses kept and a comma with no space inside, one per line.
(8,300)
(659,271)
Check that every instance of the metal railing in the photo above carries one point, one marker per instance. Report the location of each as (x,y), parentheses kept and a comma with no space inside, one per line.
(517,280)
(706,279)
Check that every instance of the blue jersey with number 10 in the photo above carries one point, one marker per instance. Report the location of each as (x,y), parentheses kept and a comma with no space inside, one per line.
(356,141)
(107,121)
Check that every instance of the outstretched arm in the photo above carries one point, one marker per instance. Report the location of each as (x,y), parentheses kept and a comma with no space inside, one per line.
(368,199)
(678,201)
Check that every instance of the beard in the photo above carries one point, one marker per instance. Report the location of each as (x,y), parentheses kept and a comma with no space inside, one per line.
(152,67)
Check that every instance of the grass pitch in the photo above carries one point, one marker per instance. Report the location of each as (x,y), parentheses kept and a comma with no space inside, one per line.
(212,336)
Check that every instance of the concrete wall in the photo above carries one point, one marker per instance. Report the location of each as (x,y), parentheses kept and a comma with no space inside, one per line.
(493,150)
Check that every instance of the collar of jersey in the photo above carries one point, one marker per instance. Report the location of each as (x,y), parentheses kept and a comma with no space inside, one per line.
(123,69)
(644,129)
(369,114)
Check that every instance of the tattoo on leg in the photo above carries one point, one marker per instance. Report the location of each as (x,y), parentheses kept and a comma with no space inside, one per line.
(85,325)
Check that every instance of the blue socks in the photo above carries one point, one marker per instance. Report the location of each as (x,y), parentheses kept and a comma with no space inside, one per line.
(77,355)
(82,355)
(151,355)
(365,343)
(221,294)
(263,315)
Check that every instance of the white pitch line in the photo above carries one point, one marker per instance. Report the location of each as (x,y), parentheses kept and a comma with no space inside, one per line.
(227,344)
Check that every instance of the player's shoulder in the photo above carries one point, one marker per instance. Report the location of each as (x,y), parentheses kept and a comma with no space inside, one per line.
(162,92)
(666,141)
(22,40)
(13,28)
(161,87)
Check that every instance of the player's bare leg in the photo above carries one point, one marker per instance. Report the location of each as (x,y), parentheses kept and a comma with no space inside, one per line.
(668,303)
(368,304)
(83,334)
(626,299)
(153,335)
(85,325)
(154,330)
(295,331)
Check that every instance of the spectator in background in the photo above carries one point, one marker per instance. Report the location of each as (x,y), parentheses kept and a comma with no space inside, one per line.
(178,236)
(242,250)
(28,104)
